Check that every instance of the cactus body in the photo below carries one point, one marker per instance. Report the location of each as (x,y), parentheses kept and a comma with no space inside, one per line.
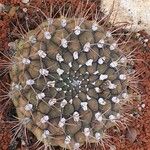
(69,80)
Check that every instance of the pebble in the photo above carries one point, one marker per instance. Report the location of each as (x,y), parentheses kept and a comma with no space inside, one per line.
(25,1)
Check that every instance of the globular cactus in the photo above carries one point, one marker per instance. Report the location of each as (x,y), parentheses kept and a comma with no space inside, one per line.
(69,81)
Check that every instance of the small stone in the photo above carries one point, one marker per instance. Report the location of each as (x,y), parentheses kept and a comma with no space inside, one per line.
(25,1)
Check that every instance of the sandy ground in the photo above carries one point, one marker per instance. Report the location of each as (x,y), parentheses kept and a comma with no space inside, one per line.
(135,12)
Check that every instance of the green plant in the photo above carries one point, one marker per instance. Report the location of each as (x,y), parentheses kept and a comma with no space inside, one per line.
(70,80)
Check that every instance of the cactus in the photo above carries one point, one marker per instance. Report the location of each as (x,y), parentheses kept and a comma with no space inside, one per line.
(69,81)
